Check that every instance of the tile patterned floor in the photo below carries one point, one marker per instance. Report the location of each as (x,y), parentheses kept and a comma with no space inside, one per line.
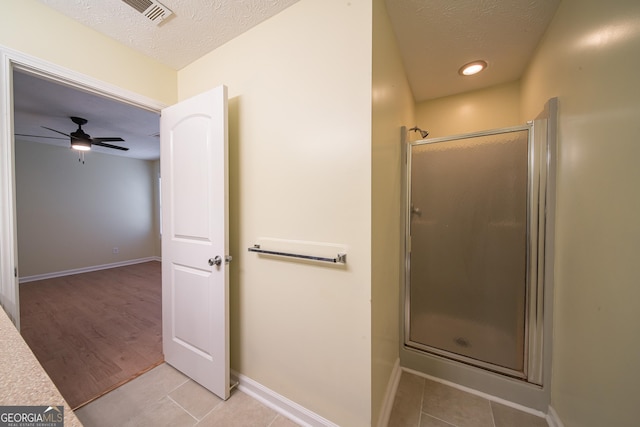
(166,397)
(421,402)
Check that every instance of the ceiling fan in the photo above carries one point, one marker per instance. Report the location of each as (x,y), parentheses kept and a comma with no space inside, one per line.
(81,140)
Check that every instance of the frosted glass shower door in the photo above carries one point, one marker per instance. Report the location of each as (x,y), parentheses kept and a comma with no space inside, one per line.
(468,258)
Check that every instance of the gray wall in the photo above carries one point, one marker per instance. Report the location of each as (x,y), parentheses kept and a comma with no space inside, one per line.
(71,215)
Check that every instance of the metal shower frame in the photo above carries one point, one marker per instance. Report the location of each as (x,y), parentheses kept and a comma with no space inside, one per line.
(540,173)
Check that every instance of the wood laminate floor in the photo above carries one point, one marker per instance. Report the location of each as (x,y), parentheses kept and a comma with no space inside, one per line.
(95,331)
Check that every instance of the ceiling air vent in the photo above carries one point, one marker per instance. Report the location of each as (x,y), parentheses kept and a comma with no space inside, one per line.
(151,9)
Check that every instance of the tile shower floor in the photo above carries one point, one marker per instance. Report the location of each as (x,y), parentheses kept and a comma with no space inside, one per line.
(421,402)
(166,397)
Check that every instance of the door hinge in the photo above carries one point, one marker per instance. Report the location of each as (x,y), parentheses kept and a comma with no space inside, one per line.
(15,271)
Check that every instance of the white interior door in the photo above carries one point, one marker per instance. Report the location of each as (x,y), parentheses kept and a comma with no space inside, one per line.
(195,282)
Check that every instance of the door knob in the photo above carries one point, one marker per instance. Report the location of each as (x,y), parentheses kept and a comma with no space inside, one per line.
(215,261)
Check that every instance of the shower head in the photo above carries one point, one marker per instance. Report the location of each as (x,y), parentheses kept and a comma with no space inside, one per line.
(423,133)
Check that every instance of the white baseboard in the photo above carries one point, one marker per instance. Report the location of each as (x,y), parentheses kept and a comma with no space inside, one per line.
(390,395)
(553,419)
(33,278)
(280,404)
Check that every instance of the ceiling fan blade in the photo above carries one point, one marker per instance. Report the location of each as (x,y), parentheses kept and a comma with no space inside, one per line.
(57,131)
(102,144)
(117,138)
(39,136)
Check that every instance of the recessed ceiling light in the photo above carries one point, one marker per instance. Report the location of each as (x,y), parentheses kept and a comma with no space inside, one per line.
(472,68)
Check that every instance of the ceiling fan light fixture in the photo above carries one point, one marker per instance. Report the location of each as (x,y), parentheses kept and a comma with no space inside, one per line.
(472,68)
(80,145)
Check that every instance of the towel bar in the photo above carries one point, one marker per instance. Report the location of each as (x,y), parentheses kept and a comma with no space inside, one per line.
(340,258)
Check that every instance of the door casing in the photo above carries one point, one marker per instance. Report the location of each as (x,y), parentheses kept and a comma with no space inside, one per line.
(11,60)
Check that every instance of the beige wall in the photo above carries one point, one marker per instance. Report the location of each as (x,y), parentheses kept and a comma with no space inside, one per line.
(300,168)
(300,160)
(308,162)
(32,28)
(392,108)
(589,59)
(491,108)
(72,215)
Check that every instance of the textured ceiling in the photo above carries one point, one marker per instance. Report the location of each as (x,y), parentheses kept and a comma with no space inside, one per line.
(437,37)
(195,28)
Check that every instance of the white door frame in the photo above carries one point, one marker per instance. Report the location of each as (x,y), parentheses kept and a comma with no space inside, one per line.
(9,60)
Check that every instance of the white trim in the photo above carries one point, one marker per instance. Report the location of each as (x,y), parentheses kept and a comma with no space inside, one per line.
(553,419)
(10,59)
(9,298)
(480,394)
(279,403)
(390,395)
(44,276)
(68,77)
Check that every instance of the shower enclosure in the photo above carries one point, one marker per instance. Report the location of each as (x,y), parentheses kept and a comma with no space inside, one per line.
(476,234)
